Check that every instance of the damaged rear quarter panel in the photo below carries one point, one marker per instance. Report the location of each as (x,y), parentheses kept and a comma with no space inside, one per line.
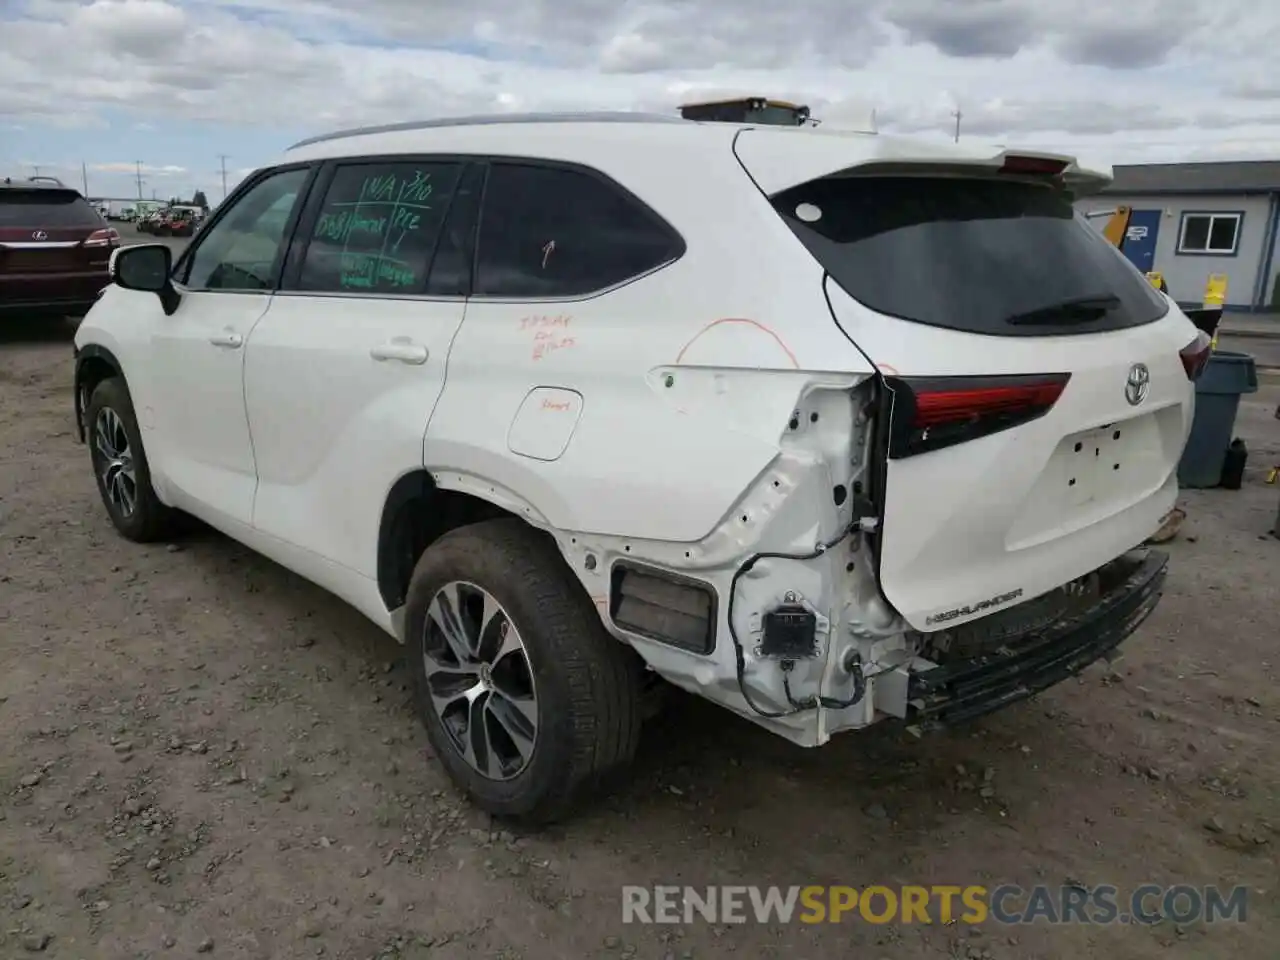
(684,456)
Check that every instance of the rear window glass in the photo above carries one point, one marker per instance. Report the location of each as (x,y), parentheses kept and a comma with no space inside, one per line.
(1007,258)
(45,208)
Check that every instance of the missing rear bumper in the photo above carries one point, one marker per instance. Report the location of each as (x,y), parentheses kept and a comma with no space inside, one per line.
(964,689)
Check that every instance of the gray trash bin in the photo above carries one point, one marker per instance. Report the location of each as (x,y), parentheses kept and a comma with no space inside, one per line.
(1218,391)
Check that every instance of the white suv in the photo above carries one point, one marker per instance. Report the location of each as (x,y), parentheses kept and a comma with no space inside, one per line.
(825,427)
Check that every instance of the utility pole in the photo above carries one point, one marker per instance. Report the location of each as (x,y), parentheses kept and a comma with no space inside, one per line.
(36,168)
(223,157)
(84,176)
(957,115)
(138,167)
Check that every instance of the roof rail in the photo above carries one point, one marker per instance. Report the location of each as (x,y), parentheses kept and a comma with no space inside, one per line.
(619,116)
(50,182)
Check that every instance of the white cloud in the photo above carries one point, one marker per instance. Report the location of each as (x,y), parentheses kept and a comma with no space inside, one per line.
(1149,79)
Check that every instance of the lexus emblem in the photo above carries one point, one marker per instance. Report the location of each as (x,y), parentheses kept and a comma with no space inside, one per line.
(1137,384)
(39,235)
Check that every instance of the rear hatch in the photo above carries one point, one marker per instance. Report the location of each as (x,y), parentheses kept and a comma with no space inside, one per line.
(1040,389)
(47,230)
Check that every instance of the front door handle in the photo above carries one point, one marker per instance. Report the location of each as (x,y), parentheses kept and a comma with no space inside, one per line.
(402,349)
(227,338)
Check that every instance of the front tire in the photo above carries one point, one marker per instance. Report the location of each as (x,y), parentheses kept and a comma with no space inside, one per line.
(120,466)
(527,700)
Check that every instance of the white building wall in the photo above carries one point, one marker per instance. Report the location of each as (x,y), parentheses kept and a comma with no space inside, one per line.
(1185,273)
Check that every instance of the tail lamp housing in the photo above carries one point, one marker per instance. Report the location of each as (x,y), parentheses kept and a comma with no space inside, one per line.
(106,237)
(931,413)
(1195,355)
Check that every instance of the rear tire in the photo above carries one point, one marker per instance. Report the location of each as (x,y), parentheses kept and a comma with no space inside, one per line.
(529,732)
(120,466)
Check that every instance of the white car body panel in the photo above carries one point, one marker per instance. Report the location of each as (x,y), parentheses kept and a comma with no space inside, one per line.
(1021,510)
(203,441)
(723,412)
(333,426)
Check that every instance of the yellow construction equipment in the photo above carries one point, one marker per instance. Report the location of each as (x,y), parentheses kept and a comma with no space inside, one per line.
(1116,230)
(1117,225)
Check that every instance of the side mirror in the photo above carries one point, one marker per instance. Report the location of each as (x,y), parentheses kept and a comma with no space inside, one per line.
(145,267)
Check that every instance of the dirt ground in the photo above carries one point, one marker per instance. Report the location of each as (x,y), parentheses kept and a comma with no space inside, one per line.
(203,755)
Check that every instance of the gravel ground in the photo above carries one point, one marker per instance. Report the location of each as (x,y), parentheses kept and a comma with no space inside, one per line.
(204,755)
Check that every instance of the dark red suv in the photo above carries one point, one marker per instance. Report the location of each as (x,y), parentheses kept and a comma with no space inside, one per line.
(54,249)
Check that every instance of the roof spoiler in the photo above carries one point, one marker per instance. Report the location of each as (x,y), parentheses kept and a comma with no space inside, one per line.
(776,165)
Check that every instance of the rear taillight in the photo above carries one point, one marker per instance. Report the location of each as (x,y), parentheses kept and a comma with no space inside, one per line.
(107,237)
(1195,355)
(936,412)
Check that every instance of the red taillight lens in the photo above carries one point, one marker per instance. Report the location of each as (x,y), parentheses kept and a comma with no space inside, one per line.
(1035,166)
(937,412)
(107,237)
(1195,355)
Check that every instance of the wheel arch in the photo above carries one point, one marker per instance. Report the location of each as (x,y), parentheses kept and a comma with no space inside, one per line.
(94,363)
(420,508)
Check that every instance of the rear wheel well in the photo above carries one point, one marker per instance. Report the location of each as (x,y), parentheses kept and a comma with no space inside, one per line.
(90,371)
(417,514)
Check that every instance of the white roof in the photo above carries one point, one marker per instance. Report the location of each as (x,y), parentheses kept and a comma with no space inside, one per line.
(778,156)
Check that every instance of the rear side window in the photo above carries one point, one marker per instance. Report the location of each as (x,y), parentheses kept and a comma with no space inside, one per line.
(558,232)
(378,227)
(1006,258)
(46,208)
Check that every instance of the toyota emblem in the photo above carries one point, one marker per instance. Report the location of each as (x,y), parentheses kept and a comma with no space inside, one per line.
(1137,385)
(39,235)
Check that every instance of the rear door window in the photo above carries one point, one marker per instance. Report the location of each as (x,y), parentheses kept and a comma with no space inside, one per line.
(1004,258)
(378,227)
(552,232)
(46,208)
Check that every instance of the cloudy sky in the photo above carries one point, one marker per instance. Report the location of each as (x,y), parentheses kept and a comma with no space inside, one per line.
(177,84)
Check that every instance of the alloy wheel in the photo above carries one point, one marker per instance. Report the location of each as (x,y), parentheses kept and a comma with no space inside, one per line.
(480,680)
(115,462)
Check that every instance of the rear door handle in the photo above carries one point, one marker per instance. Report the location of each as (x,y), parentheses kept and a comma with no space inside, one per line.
(228,338)
(402,349)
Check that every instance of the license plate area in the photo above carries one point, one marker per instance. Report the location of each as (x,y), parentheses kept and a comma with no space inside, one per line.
(1097,466)
(47,260)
